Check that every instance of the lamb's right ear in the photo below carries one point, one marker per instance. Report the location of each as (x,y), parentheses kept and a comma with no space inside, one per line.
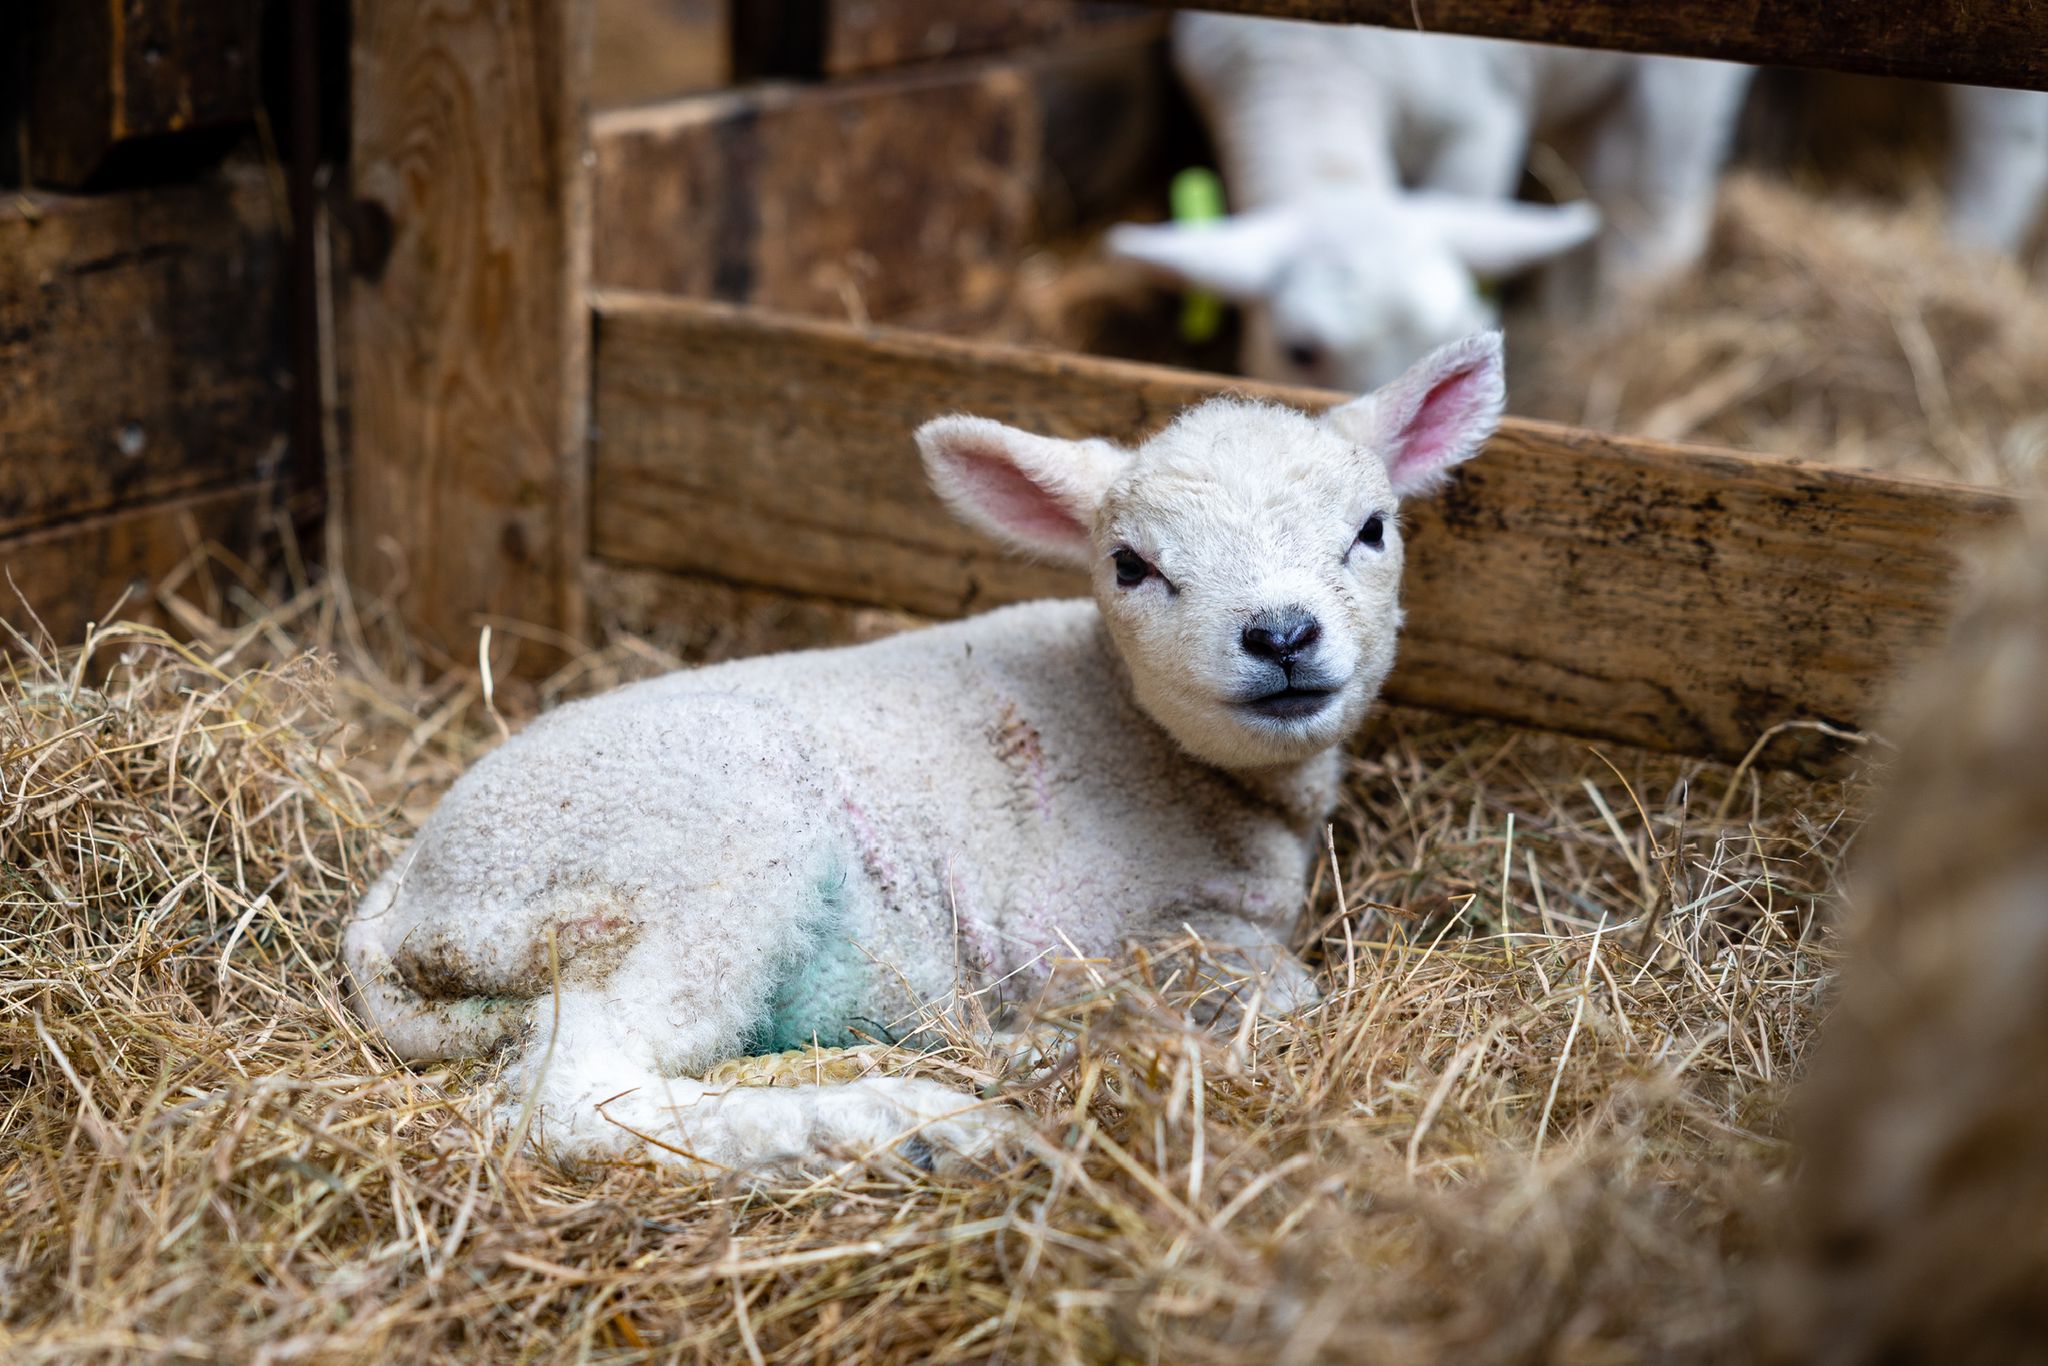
(1239,257)
(1038,493)
(1433,417)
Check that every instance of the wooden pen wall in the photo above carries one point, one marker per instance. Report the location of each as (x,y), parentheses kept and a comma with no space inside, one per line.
(146,278)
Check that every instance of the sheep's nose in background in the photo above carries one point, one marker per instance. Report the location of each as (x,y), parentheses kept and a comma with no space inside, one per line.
(1304,355)
(1281,635)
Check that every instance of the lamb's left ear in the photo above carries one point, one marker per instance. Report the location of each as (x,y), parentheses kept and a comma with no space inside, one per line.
(1501,237)
(1435,416)
(1038,493)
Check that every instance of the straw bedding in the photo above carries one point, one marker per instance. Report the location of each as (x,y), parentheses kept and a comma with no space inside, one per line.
(1568,990)
(1835,329)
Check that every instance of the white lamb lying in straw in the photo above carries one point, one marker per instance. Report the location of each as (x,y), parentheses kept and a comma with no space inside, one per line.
(816,845)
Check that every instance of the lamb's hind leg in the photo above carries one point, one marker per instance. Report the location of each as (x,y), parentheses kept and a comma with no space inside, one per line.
(602,1077)
(1998,172)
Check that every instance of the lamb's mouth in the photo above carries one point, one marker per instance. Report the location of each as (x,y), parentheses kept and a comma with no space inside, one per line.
(1290,703)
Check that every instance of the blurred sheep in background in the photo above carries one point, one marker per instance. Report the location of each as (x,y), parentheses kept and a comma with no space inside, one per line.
(1374,173)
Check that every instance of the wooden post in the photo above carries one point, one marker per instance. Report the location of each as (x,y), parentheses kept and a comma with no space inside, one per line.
(468,326)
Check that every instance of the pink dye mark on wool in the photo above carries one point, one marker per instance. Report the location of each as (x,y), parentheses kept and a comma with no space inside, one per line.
(877,863)
(1018,744)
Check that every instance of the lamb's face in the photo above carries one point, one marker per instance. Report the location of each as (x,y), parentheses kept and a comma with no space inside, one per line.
(1247,559)
(1248,562)
(1346,286)
(1353,310)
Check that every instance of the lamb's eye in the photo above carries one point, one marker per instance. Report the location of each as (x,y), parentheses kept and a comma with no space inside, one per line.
(1131,569)
(1373,535)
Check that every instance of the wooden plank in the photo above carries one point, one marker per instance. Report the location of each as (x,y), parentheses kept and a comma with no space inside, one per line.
(468,329)
(1679,598)
(1972,42)
(700,619)
(102,75)
(812,38)
(901,196)
(76,573)
(141,346)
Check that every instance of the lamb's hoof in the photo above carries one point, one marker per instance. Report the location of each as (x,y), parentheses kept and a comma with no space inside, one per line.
(946,1132)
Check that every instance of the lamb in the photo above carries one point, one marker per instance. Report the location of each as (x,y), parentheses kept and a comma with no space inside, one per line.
(1374,171)
(816,846)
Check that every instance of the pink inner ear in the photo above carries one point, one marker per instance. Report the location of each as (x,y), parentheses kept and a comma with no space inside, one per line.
(1007,496)
(1443,425)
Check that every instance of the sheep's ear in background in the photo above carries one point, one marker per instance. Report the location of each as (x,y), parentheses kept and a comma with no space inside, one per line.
(1237,257)
(1435,416)
(1037,493)
(1501,237)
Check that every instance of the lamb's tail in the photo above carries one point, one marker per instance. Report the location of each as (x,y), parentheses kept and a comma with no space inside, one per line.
(417,1027)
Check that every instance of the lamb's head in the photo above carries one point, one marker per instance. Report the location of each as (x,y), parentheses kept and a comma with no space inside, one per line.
(1348,287)
(1247,558)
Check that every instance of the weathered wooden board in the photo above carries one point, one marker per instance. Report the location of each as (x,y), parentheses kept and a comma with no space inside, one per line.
(645,50)
(810,38)
(886,197)
(468,329)
(141,346)
(101,74)
(1679,598)
(76,573)
(1973,42)
(701,619)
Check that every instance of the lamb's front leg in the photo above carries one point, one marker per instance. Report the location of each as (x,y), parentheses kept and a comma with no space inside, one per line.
(1482,153)
(1235,964)
(1655,165)
(594,1082)
(613,1067)
(1998,171)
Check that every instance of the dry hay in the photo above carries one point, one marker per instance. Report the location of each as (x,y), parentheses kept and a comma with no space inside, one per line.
(1921,1230)
(1835,330)
(1567,999)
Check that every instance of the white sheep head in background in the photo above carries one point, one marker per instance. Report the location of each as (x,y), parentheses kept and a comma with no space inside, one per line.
(1248,557)
(1345,287)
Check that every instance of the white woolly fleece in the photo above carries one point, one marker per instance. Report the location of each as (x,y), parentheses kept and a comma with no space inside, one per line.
(816,846)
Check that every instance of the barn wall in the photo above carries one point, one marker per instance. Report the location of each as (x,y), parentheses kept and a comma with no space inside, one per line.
(145,278)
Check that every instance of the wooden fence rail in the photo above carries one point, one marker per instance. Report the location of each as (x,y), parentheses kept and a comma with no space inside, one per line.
(1680,598)
(1972,42)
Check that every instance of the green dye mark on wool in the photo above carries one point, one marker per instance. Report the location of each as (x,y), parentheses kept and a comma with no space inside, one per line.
(819,975)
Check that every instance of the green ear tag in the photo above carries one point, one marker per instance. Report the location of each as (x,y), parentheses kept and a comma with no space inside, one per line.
(1197,197)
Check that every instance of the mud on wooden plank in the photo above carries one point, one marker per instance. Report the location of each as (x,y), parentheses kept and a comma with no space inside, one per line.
(810,38)
(141,346)
(1972,42)
(1679,598)
(77,572)
(884,198)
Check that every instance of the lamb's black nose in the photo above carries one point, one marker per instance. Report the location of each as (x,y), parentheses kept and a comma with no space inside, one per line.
(1282,635)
